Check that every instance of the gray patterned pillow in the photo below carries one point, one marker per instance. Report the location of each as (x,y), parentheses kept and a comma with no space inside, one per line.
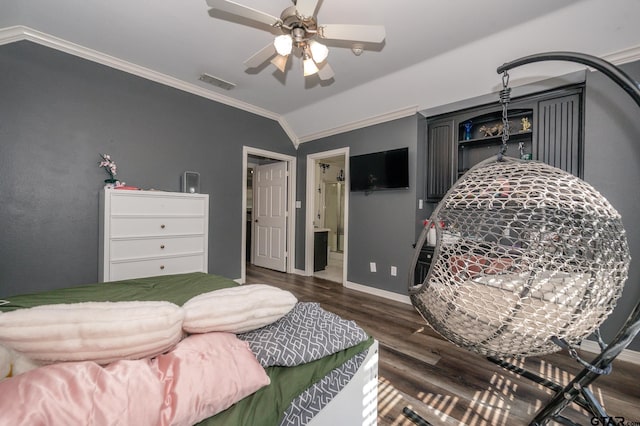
(305,334)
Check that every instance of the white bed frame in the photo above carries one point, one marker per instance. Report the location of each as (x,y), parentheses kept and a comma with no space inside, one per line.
(357,403)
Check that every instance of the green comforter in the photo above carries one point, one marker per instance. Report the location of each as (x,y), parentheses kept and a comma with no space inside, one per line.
(173,288)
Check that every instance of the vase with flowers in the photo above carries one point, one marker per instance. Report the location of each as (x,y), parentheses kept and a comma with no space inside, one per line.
(110,167)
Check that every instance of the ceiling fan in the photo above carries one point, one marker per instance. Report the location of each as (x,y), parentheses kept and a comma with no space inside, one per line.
(300,31)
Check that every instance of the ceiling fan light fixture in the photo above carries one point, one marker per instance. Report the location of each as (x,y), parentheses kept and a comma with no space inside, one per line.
(283,44)
(280,62)
(308,66)
(319,51)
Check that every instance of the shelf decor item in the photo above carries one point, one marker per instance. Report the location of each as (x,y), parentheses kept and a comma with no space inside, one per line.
(467,130)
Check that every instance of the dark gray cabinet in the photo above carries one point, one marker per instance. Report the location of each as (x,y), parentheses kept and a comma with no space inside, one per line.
(320,249)
(559,133)
(440,159)
(545,126)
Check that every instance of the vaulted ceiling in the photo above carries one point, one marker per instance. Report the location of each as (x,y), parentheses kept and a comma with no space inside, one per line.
(435,52)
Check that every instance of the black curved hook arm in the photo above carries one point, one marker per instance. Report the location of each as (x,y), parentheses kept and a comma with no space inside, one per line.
(621,78)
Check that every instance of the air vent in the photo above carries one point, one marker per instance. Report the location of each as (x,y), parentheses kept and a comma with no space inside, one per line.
(218,82)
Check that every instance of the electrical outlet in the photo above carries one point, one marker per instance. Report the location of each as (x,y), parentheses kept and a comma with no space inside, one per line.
(372,266)
(394,271)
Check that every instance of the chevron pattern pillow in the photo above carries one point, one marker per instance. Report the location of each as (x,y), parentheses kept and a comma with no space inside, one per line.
(305,334)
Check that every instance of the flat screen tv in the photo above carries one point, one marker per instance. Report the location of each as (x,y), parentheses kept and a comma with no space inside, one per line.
(380,170)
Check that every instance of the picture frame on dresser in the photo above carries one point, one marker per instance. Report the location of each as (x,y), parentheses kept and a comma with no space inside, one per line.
(149,233)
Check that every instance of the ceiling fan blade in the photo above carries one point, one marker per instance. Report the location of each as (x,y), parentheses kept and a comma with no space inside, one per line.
(325,72)
(306,8)
(362,33)
(261,56)
(243,11)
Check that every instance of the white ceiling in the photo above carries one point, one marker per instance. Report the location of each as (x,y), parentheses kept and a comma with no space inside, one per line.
(436,51)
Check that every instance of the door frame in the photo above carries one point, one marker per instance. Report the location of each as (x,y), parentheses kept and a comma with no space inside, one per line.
(310,208)
(291,202)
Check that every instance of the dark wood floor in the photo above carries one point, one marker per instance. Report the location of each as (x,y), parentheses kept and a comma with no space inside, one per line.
(447,385)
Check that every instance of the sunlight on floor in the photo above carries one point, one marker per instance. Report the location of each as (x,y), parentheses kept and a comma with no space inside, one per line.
(388,397)
(487,407)
(441,405)
(491,406)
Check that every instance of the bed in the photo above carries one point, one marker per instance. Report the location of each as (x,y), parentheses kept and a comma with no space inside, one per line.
(182,349)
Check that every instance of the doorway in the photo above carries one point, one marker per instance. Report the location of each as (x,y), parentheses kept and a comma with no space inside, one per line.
(327,213)
(271,243)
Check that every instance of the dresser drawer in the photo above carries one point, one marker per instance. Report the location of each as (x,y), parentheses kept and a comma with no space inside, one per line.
(160,204)
(148,268)
(155,226)
(153,247)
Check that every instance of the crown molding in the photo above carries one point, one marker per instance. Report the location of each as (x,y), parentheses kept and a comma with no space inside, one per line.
(354,125)
(11,34)
(624,56)
(19,33)
(289,131)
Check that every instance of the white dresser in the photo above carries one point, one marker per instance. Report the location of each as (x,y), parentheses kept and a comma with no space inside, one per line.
(147,233)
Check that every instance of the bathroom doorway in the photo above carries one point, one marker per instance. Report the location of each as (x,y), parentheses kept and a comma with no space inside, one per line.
(327,206)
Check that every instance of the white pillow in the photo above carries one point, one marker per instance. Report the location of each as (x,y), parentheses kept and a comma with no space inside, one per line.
(93,331)
(237,309)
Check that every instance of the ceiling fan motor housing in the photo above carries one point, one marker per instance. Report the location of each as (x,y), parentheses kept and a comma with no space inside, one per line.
(300,28)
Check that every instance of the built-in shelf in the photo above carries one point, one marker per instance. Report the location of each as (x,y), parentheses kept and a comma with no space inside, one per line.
(493,139)
(489,126)
(480,137)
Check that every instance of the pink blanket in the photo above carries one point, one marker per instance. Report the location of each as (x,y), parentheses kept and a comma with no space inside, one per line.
(203,375)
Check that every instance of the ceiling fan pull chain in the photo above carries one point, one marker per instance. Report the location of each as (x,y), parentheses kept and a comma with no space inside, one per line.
(505,98)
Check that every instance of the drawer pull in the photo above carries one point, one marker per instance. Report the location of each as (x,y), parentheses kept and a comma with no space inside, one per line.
(162,246)
(162,226)
(161,266)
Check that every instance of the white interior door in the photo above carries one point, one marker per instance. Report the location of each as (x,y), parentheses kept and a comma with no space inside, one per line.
(270,216)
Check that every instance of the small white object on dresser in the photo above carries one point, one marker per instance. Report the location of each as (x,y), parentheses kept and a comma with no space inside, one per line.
(147,233)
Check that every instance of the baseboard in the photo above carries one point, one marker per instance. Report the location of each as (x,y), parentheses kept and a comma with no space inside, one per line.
(626,355)
(300,272)
(378,292)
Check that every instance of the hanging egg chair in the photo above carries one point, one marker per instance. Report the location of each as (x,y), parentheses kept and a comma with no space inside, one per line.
(526,255)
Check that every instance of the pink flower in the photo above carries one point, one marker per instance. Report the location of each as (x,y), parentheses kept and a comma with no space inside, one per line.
(108,164)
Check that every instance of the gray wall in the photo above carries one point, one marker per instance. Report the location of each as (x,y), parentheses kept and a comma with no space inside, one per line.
(381,224)
(612,166)
(58,112)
